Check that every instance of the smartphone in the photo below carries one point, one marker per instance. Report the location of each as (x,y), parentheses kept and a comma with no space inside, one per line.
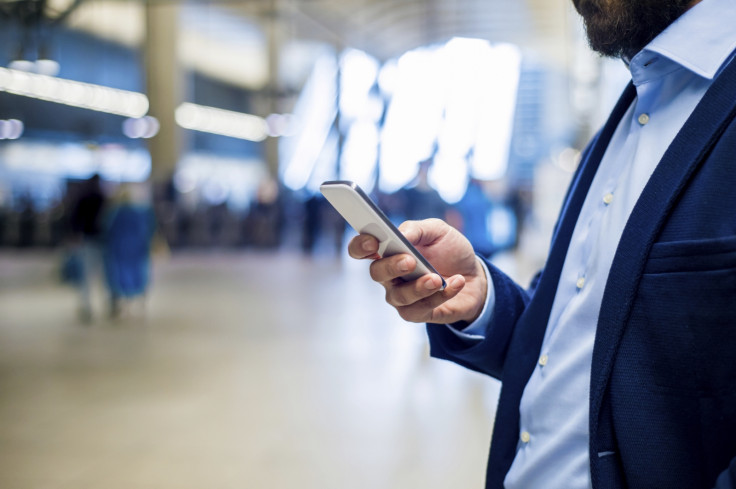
(364,216)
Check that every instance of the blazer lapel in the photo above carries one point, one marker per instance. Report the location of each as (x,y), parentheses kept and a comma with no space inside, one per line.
(688,150)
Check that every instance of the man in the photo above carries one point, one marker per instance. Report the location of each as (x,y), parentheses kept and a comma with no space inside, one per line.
(86,228)
(618,364)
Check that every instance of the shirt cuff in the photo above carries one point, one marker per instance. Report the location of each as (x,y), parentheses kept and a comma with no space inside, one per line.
(475,331)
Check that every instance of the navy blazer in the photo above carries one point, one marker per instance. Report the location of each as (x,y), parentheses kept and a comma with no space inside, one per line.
(663,378)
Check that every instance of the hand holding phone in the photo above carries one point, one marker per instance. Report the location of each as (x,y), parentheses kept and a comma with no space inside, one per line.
(364,216)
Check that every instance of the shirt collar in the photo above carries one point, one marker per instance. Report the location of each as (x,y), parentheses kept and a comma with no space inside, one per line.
(701,40)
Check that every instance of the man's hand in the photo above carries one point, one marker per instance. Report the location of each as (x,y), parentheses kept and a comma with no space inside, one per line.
(420,300)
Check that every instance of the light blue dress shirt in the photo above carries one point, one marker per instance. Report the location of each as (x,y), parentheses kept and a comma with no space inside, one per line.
(671,75)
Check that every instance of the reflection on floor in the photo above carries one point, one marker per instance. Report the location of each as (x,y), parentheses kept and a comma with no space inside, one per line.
(264,371)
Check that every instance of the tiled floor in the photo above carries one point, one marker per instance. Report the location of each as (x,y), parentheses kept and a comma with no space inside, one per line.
(265,371)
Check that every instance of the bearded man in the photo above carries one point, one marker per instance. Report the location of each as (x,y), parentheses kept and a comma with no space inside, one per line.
(618,363)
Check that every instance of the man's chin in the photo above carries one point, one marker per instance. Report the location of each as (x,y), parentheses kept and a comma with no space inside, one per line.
(621,28)
(608,45)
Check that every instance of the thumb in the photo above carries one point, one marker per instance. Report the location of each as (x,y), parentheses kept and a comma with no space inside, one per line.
(425,232)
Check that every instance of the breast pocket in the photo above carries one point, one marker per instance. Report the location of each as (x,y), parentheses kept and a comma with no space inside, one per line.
(686,309)
(692,256)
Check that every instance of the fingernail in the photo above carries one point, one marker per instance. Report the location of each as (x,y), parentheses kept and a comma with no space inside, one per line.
(367,245)
(456,283)
(430,283)
(403,265)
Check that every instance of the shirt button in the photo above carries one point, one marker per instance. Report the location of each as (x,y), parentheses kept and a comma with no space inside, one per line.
(608,198)
(643,119)
(525,436)
(543,360)
(580,283)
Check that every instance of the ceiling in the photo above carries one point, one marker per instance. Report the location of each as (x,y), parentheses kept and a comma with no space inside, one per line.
(383,28)
(388,28)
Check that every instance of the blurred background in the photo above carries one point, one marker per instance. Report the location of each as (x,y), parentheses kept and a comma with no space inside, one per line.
(177,309)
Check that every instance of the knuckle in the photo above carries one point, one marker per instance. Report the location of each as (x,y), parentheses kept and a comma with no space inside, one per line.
(374,271)
(395,297)
(432,301)
(396,269)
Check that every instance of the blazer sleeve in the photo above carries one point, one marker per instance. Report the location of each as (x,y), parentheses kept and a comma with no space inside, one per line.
(727,480)
(488,355)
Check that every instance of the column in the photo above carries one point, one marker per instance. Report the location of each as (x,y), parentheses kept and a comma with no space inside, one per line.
(275,41)
(164,85)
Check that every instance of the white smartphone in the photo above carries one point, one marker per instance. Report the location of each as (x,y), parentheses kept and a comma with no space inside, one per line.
(365,217)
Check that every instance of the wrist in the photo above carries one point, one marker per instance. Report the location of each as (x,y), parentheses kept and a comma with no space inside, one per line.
(479,282)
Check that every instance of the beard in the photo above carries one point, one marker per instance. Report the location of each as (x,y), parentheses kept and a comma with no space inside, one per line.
(621,28)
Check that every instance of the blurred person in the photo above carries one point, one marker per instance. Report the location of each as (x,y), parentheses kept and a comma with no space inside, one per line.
(215,222)
(471,215)
(129,230)
(85,225)
(322,224)
(311,225)
(57,223)
(265,219)
(419,200)
(27,217)
(617,363)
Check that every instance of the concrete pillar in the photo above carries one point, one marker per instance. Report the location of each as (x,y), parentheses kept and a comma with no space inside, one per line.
(164,85)
(275,42)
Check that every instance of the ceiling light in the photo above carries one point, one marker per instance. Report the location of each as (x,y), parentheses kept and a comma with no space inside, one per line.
(223,122)
(74,93)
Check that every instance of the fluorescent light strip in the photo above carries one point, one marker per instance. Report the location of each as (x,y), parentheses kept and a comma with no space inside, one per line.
(74,93)
(223,122)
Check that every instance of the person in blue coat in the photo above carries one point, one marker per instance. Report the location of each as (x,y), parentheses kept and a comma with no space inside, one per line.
(128,233)
(617,363)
